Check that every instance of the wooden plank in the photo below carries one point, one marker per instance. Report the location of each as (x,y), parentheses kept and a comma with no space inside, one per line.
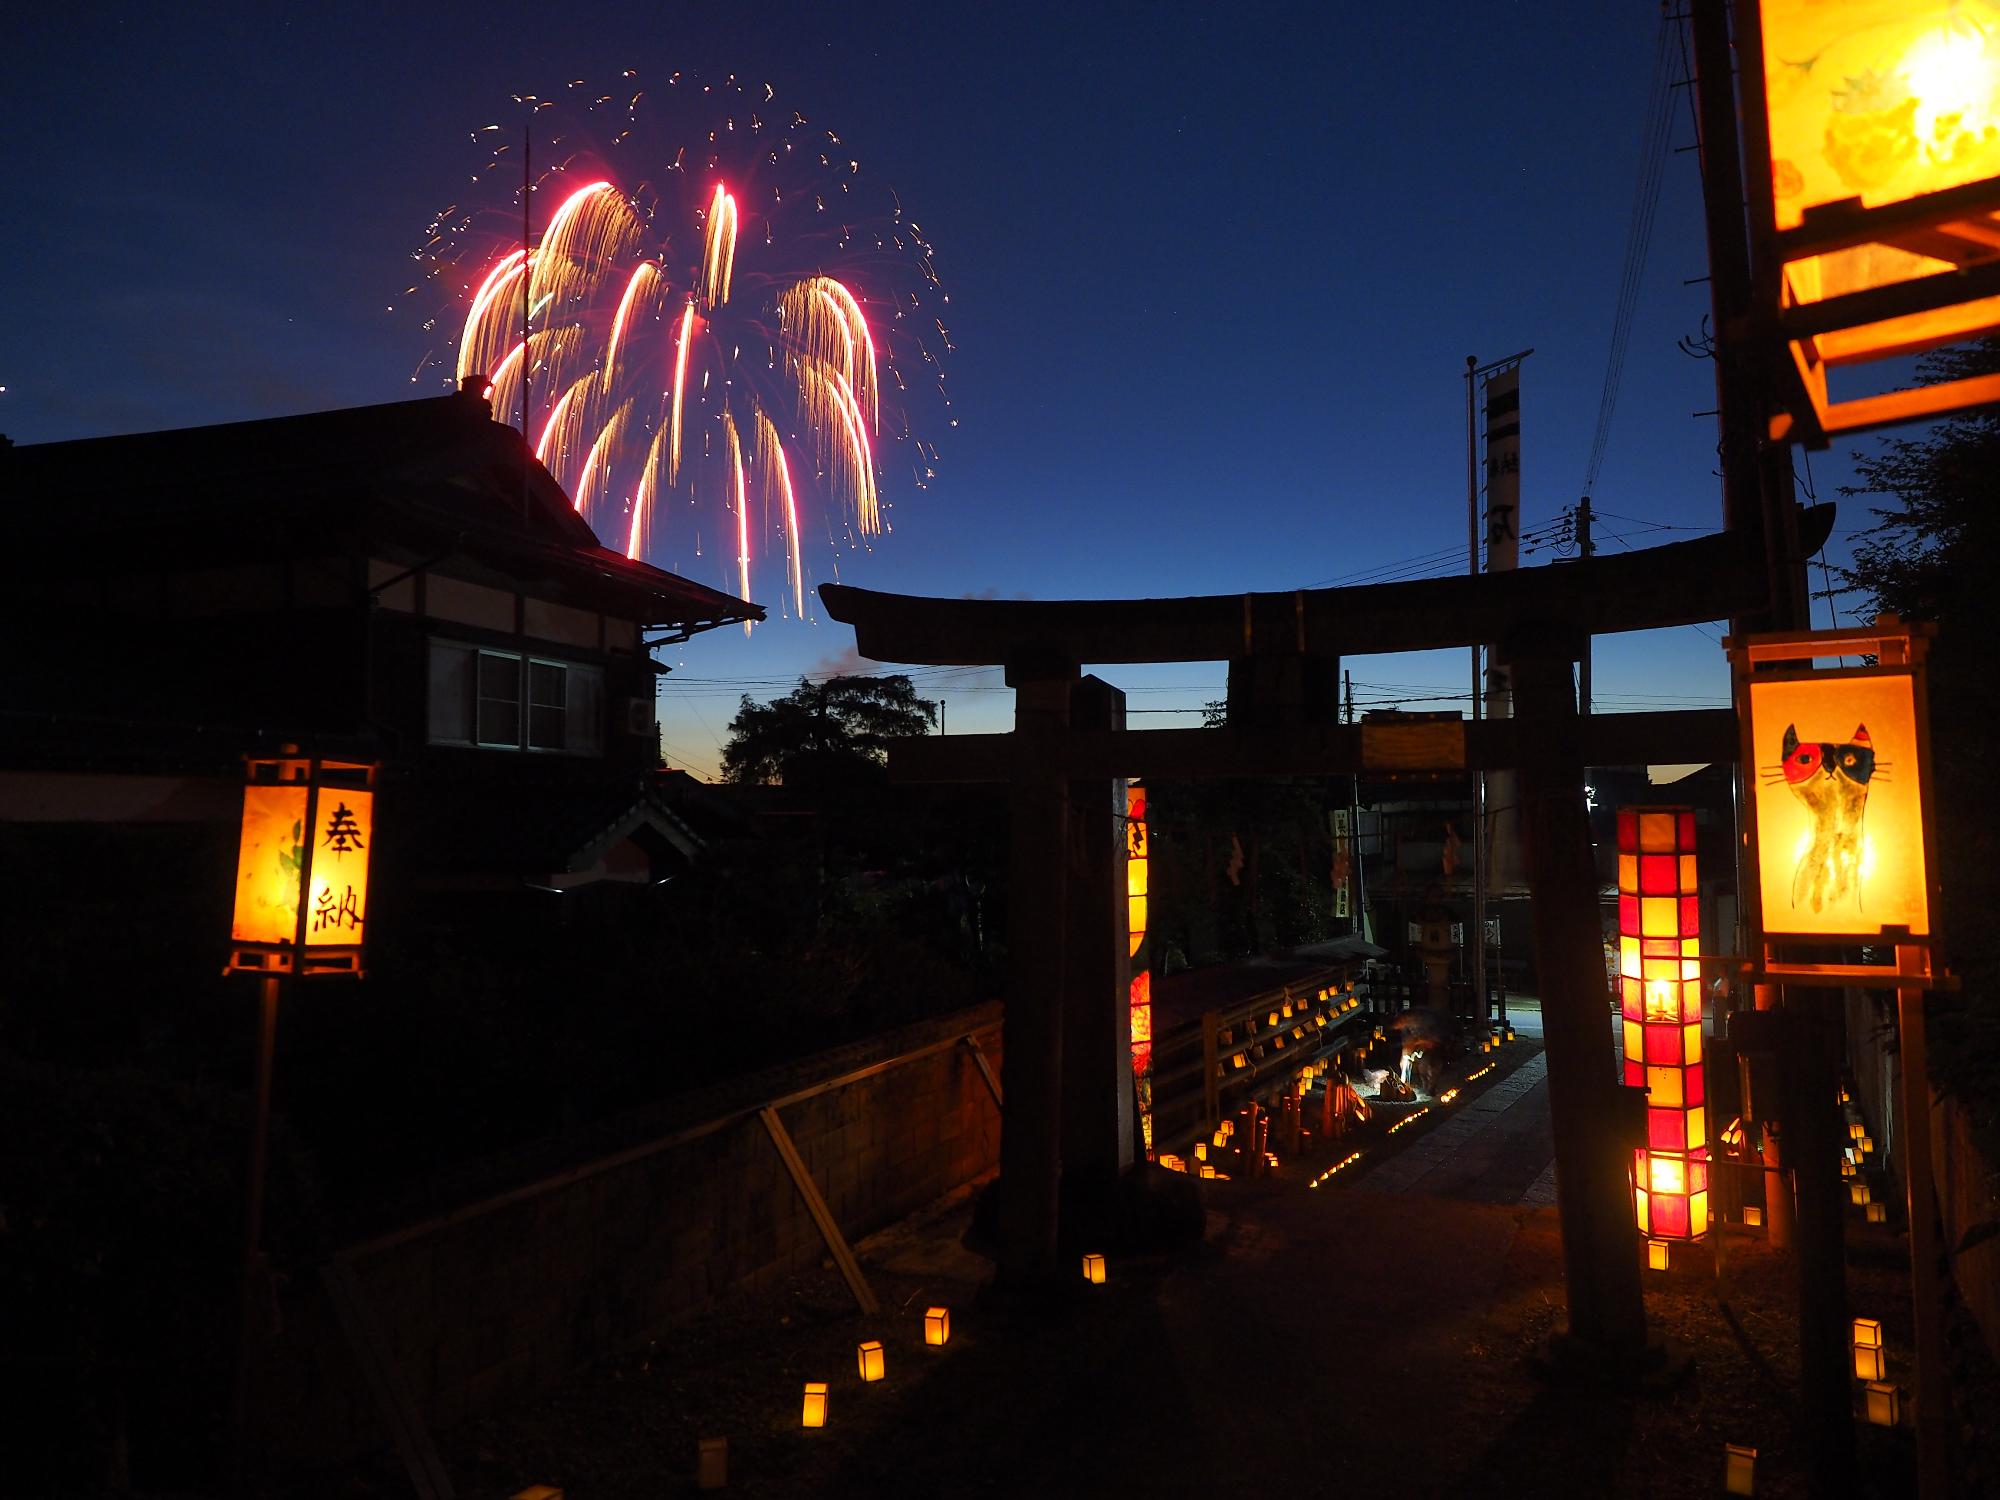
(1683,735)
(986,1072)
(1709,578)
(384,1379)
(829,1231)
(1413,745)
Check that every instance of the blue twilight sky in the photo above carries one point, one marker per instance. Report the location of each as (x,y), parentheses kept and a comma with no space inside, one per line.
(1214,272)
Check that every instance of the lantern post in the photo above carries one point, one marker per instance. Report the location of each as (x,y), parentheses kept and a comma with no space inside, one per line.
(1839,827)
(306,832)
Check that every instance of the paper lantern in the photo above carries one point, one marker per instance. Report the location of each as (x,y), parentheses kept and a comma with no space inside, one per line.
(1139,1001)
(1884,1402)
(1873,150)
(937,1326)
(1753,1216)
(1847,1167)
(1739,1469)
(1878,1213)
(1870,1360)
(1093,1268)
(1858,1193)
(1656,1255)
(1855,1129)
(869,1357)
(1659,977)
(1834,772)
(307,830)
(815,1408)
(711,1465)
(1867,1144)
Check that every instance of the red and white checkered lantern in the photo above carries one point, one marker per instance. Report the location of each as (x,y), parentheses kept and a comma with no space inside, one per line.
(1659,980)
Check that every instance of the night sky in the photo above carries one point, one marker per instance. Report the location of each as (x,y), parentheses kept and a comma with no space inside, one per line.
(1214,274)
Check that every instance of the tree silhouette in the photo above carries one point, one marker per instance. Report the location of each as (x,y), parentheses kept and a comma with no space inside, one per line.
(824,734)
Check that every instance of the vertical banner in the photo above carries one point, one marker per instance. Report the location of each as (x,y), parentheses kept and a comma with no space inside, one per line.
(1503,554)
(1138,863)
(1343,864)
(1503,470)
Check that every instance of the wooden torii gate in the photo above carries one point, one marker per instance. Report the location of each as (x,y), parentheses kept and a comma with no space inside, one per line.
(1064,1056)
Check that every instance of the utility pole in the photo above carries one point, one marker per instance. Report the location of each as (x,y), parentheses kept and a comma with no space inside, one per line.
(1476,938)
(1586,549)
(1758,505)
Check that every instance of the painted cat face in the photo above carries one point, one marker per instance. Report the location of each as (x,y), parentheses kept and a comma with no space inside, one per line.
(1853,761)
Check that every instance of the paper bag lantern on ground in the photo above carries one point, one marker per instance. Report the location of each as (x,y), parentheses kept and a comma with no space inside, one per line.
(1659,978)
(937,1325)
(869,1357)
(815,1405)
(1869,1359)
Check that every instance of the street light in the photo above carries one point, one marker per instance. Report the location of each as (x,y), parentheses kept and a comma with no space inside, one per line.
(1873,149)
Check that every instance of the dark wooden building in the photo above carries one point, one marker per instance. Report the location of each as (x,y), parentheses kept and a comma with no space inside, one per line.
(398,583)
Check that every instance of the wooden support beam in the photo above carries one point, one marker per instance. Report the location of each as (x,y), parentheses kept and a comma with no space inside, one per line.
(384,1379)
(836,1243)
(986,1072)
(1701,734)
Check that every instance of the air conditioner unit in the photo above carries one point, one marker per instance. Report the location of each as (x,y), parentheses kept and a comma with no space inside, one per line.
(639,716)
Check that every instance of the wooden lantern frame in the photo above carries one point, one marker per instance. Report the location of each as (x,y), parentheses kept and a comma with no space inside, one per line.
(1898,650)
(297,955)
(1956,224)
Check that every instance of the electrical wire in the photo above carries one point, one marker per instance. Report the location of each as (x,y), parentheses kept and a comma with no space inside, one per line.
(1638,242)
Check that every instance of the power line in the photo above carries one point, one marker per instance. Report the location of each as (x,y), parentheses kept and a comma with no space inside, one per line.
(1638,242)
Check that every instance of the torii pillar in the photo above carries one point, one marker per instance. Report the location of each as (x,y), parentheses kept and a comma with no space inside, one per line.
(1066,1039)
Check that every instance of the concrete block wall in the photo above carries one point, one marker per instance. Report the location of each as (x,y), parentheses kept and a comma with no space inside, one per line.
(498,1301)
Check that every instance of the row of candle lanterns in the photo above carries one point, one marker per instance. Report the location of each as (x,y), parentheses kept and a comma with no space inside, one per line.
(872,1364)
(1881,1400)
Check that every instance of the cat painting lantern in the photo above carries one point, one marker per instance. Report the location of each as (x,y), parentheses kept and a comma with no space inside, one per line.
(1834,763)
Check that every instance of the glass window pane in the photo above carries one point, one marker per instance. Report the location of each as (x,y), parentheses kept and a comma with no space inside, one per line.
(586,710)
(499,699)
(451,682)
(548,705)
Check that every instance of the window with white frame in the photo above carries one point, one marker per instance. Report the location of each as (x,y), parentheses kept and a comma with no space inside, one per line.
(507,700)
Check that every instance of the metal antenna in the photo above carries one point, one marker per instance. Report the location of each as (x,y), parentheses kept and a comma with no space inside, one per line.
(527,187)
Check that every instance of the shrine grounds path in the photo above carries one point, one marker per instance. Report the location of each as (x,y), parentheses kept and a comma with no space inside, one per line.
(1377,1335)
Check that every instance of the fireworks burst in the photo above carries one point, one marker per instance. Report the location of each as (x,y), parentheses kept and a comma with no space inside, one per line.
(706,332)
